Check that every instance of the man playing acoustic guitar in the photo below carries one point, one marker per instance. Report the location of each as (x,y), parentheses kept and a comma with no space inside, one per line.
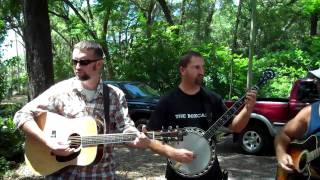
(78,97)
(300,159)
(190,105)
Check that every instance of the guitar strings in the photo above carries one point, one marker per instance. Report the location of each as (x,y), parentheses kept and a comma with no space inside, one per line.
(115,138)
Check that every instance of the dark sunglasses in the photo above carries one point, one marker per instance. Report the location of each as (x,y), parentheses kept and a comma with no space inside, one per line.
(84,62)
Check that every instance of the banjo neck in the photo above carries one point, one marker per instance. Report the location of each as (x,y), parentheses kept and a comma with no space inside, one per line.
(228,115)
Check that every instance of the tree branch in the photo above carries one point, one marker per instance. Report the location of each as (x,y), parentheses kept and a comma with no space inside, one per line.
(94,36)
(66,18)
(61,35)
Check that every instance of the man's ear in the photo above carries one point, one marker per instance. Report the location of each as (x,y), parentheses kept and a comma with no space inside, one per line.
(100,64)
(182,70)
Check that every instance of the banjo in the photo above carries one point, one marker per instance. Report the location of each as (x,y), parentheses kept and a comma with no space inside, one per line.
(199,141)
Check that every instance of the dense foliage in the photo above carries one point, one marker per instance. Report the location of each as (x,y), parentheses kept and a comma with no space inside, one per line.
(144,42)
(11,147)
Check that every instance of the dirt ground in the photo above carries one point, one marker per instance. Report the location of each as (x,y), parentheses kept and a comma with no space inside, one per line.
(145,165)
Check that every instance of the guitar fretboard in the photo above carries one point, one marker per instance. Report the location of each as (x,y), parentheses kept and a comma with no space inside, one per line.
(99,139)
(312,155)
(107,139)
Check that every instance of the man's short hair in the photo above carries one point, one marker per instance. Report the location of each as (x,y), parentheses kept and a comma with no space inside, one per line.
(186,57)
(90,45)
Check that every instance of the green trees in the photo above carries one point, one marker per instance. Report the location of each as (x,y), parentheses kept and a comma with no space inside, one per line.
(143,39)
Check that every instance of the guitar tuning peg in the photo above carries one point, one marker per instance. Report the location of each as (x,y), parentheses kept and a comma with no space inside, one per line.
(170,128)
(162,129)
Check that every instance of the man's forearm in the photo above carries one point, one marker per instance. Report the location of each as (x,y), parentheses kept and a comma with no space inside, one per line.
(241,120)
(281,143)
(161,148)
(31,128)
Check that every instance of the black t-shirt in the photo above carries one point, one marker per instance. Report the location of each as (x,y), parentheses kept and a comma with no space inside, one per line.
(178,108)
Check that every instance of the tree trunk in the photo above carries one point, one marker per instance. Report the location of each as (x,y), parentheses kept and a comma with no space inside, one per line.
(182,15)
(314,23)
(252,42)
(234,47)
(235,31)
(198,18)
(150,18)
(166,11)
(108,64)
(207,28)
(38,46)
(167,14)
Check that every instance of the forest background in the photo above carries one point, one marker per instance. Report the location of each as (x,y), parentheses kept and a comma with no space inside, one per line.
(143,40)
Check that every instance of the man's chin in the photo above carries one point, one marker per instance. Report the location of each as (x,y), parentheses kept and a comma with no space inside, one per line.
(199,82)
(83,78)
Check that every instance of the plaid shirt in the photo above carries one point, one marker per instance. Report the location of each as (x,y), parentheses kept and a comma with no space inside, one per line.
(69,99)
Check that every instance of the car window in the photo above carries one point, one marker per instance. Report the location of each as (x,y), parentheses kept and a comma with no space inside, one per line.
(141,91)
(308,92)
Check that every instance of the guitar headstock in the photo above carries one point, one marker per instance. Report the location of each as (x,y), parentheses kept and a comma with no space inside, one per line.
(167,135)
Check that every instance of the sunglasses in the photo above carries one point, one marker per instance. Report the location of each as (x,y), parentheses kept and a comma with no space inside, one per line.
(84,62)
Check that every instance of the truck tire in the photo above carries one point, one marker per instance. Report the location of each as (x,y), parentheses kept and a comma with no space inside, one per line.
(140,122)
(255,140)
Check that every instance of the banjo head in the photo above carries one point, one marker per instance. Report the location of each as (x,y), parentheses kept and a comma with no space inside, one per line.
(203,151)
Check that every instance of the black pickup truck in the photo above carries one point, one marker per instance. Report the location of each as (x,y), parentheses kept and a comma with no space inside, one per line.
(141,99)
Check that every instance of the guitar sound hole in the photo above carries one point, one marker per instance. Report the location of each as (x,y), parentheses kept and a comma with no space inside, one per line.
(75,143)
(75,140)
(303,161)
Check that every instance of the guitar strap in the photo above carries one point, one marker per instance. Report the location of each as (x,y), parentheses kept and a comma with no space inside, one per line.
(106,107)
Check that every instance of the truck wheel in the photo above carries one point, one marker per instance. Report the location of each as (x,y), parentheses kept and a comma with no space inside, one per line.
(255,140)
(140,122)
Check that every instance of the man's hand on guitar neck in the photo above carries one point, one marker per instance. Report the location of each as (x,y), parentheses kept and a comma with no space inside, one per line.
(141,141)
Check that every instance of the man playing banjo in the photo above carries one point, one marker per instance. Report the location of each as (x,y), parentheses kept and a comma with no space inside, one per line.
(187,106)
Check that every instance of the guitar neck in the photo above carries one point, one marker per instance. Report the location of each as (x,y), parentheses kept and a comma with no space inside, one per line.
(105,139)
(312,155)
(112,138)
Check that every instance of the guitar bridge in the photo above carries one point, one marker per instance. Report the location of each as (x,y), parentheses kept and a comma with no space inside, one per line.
(53,134)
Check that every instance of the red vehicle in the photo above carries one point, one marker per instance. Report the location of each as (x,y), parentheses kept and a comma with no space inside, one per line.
(270,114)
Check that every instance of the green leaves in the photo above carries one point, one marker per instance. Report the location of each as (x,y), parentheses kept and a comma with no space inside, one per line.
(11,146)
(309,6)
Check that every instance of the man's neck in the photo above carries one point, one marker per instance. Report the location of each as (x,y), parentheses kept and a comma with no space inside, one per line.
(189,89)
(91,84)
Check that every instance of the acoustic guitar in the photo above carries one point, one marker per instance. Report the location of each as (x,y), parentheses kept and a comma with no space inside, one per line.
(82,134)
(303,154)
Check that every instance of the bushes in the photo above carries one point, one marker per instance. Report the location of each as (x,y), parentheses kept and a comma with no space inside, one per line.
(11,147)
